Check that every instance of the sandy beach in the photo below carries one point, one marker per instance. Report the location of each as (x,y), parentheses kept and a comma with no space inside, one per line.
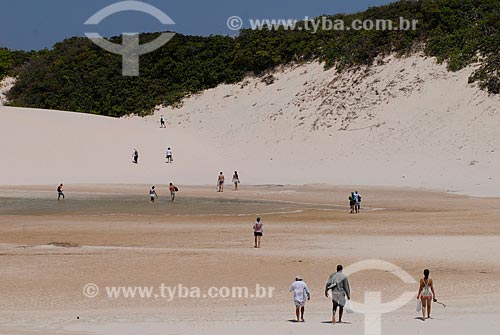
(419,143)
(112,236)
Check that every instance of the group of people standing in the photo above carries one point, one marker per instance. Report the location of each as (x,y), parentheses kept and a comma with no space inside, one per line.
(221,180)
(338,285)
(153,195)
(355,202)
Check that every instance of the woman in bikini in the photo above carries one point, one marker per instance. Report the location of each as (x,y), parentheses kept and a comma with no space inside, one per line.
(426,294)
(236,180)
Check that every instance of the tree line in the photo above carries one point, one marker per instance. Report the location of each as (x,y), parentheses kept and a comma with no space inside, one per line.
(76,75)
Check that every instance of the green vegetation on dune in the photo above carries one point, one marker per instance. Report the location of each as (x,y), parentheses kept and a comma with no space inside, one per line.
(77,75)
(5,62)
(10,60)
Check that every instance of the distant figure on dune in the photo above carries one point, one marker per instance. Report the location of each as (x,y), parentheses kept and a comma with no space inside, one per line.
(162,122)
(60,192)
(426,294)
(173,189)
(258,231)
(152,194)
(236,180)
(300,294)
(352,202)
(169,156)
(357,197)
(339,285)
(220,183)
(135,157)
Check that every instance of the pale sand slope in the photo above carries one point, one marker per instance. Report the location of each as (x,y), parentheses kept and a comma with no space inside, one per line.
(407,122)
(48,147)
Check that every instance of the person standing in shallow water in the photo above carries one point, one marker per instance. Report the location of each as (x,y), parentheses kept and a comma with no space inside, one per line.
(236,180)
(220,182)
(152,194)
(173,189)
(258,231)
(426,294)
(60,192)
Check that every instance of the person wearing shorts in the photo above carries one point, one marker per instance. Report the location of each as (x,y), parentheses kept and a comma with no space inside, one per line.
(236,180)
(172,188)
(220,182)
(300,295)
(169,156)
(152,194)
(258,231)
(352,202)
(357,205)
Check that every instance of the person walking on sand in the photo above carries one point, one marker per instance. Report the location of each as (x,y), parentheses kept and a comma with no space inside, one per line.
(236,180)
(60,192)
(169,156)
(339,285)
(426,294)
(162,122)
(357,197)
(173,189)
(258,231)
(352,202)
(135,157)
(300,294)
(220,182)
(152,194)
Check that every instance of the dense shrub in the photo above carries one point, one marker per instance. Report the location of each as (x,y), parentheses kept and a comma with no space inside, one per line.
(77,75)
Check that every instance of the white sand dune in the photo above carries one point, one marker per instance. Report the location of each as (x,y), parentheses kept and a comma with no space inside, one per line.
(403,122)
(47,147)
(5,85)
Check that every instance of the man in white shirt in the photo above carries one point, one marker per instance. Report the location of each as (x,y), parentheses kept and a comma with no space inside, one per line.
(300,294)
(169,156)
(357,197)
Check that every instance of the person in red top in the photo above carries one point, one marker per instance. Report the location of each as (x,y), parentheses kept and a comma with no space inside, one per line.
(258,231)
(172,188)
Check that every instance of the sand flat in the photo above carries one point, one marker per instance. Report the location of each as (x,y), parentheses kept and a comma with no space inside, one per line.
(308,230)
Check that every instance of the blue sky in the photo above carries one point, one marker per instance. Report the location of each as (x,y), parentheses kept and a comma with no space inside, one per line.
(38,24)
